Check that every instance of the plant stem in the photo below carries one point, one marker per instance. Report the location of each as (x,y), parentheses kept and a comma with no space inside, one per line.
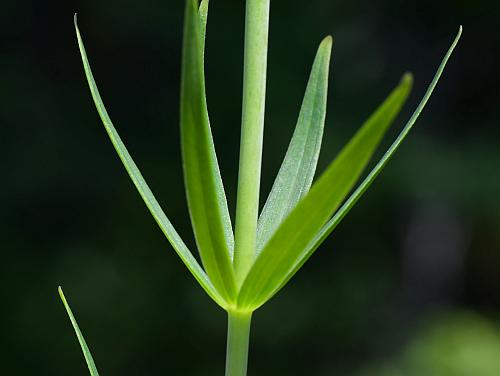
(238,336)
(252,129)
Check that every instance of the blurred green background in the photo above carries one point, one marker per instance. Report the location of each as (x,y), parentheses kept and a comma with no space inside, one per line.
(409,284)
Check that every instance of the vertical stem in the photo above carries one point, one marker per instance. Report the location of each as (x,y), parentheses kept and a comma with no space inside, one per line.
(252,129)
(238,336)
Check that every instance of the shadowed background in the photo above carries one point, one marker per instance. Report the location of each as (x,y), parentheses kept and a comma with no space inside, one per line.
(409,284)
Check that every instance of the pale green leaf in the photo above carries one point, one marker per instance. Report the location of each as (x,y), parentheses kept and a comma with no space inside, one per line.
(299,166)
(79,335)
(141,185)
(205,193)
(221,194)
(356,195)
(203,12)
(302,224)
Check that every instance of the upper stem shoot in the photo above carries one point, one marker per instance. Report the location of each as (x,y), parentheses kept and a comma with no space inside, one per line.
(254,96)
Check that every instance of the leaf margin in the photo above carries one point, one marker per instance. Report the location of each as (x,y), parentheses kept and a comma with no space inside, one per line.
(298,168)
(83,344)
(207,203)
(142,187)
(370,178)
(322,201)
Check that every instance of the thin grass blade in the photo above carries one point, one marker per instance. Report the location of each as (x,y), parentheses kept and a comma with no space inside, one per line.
(362,188)
(299,166)
(144,190)
(79,335)
(303,223)
(205,193)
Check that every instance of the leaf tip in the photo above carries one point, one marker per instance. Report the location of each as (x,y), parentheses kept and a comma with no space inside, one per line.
(407,79)
(327,42)
(457,38)
(61,293)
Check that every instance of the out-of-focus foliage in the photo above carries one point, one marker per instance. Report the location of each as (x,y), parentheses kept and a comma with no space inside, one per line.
(451,344)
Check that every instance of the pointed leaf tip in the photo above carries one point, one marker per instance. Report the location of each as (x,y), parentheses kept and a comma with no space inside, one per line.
(286,250)
(143,188)
(407,81)
(85,349)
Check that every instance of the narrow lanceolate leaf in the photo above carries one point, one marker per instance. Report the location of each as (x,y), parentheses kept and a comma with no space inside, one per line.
(299,166)
(141,185)
(303,223)
(205,194)
(356,195)
(79,335)
(221,194)
(362,188)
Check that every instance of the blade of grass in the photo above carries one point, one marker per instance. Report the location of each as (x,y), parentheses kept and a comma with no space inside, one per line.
(299,166)
(206,198)
(142,187)
(356,195)
(303,223)
(79,335)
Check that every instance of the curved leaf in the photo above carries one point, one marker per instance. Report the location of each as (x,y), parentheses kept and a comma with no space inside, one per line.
(299,166)
(141,185)
(303,223)
(205,194)
(79,335)
(356,195)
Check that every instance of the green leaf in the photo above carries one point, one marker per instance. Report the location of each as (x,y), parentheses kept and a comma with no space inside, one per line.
(356,195)
(79,335)
(299,166)
(141,185)
(303,223)
(203,14)
(205,193)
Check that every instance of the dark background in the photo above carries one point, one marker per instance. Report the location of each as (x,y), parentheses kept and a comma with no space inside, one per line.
(409,284)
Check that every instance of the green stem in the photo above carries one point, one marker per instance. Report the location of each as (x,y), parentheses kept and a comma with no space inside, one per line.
(252,129)
(238,336)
